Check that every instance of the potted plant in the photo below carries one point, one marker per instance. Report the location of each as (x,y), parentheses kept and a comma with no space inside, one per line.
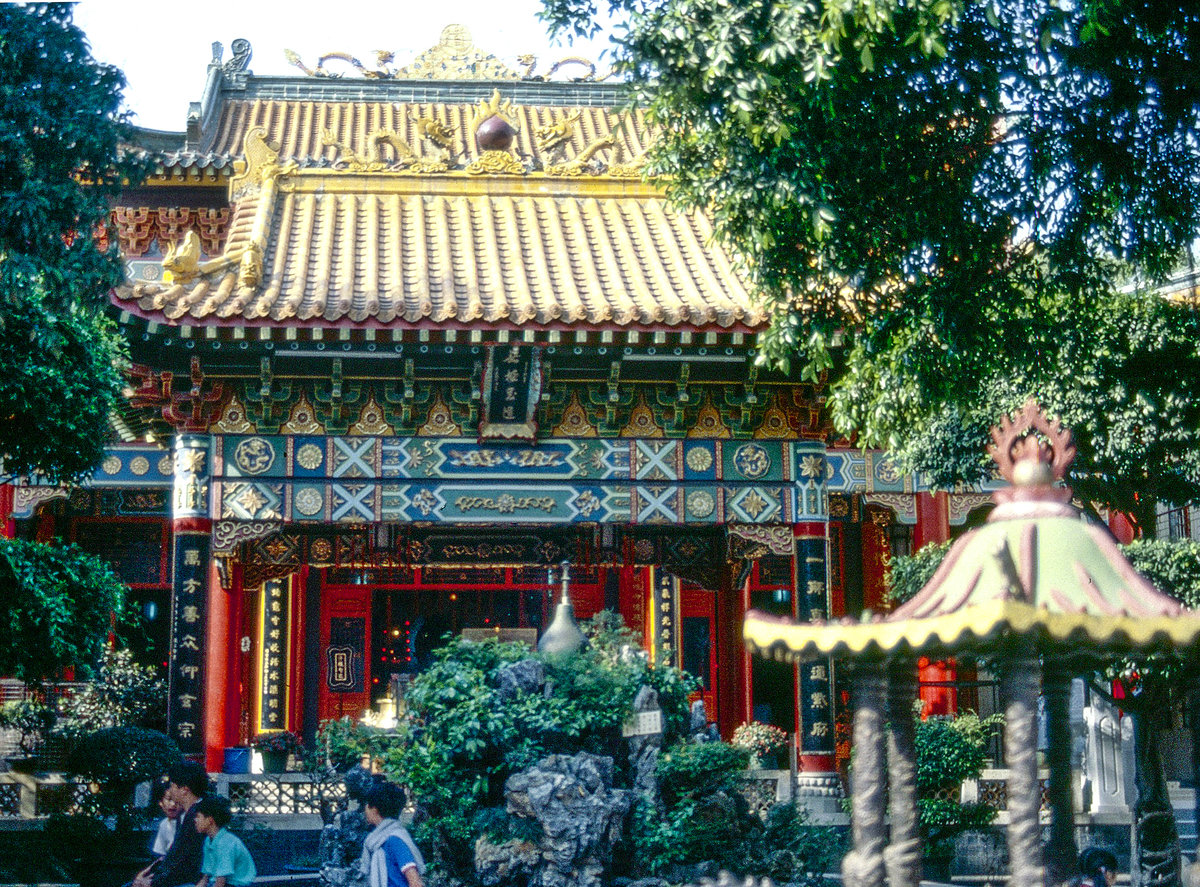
(275,748)
(763,741)
(32,719)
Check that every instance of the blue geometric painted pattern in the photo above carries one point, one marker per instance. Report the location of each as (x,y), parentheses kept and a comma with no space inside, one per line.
(319,478)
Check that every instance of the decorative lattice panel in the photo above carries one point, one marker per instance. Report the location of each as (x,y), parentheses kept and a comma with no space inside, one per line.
(272,795)
(10,799)
(760,794)
(993,793)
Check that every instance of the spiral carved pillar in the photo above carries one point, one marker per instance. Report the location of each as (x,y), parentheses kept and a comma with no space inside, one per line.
(903,855)
(1019,688)
(1061,854)
(863,865)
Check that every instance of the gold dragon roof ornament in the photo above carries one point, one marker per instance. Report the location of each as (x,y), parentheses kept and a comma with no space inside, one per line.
(454,57)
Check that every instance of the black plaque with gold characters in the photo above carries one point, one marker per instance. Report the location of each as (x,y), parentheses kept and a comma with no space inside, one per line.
(816,684)
(512,387)
(273,674)
(666,618)
(185,705)
(347,649)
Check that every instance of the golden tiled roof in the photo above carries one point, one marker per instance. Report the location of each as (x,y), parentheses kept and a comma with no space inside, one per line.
(392,249)
(297,127)
(390,213)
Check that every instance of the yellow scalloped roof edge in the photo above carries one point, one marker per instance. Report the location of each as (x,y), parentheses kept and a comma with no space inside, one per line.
(973,625)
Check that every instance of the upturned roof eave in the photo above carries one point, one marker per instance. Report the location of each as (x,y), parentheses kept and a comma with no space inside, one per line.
(989,627)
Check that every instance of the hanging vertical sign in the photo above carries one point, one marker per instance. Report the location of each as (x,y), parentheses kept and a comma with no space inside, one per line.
(185,703)
(512,388)
(344,671)
(816,686)
(273,670)
(666,617)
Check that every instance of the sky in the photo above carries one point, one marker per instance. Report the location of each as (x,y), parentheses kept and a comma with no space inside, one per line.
(164,48)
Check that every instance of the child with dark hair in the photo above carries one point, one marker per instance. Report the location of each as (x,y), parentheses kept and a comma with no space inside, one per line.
(1098,867)
(165,836)
(226,861)
(390,858)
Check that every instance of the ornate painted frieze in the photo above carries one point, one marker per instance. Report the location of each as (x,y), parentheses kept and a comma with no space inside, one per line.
(309,478)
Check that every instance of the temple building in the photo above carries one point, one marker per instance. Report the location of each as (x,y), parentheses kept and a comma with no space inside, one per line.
(408,343)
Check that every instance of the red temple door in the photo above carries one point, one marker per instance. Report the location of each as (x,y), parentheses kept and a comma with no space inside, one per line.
(345,687)
(698,641)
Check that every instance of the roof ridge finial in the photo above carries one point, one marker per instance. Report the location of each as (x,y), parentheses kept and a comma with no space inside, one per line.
(1033,455)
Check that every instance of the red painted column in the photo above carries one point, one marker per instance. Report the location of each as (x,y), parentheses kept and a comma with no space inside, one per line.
(730,655)
(218,645)
(298,611)
(933,519)
(746,715)
(7,524)
(1122,527)
(933,525)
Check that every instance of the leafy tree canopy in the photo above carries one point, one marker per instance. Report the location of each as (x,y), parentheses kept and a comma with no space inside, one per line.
(61,132)
(941,201)
(56,607)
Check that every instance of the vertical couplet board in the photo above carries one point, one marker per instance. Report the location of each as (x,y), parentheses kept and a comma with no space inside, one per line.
(273,663)
(185,704)
(816,684)
(665,616)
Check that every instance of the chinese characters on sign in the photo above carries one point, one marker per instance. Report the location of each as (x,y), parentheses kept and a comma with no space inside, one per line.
(344,665)
(816,712)
(666,613)
(512,387)
(273,672)
(185,705)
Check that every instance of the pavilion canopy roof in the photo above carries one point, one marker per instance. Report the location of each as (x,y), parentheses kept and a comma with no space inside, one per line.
(1036,576)
(1054,583)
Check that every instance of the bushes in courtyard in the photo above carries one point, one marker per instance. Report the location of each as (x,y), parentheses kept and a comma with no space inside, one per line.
(950,751)
(483,712)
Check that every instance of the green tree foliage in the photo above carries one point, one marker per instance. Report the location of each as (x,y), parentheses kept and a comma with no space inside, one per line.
(123,694)
(56,606)
(949,751)
(908,574)
(1173,567)
(703,818)
(61,132)
(116,759)
(940,200)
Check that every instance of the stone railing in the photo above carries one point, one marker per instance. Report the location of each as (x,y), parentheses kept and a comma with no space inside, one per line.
(991,789)
(282,794)
(26,796)
(29,796)
(764,788)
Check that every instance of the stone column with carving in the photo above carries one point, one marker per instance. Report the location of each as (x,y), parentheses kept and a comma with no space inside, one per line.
(1061,854)
(903,855)
(191,552)
(864,864)
(1019,690)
